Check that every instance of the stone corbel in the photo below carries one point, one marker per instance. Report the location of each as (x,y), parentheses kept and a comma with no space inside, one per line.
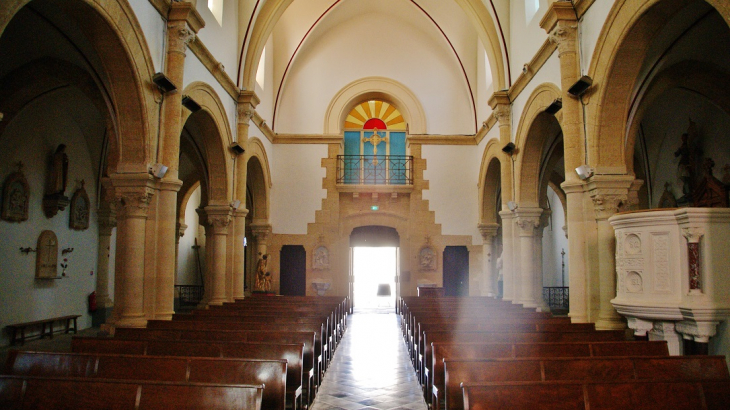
(700,332)
(640,326)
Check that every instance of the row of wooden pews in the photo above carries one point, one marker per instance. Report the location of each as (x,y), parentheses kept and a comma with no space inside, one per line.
(482,353)
(261,352)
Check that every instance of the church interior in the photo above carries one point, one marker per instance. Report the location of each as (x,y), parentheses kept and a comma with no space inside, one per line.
(559,165)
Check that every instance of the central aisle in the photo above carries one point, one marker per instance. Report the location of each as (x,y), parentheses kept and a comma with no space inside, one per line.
(371,368)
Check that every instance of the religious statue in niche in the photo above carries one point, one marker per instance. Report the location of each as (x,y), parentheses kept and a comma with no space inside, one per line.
(321,258)
(16,196)
(46,256)
(80,206)
(55,198)
(263,277)
(427,258)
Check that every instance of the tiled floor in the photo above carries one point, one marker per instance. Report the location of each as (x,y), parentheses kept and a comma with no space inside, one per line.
(371,368)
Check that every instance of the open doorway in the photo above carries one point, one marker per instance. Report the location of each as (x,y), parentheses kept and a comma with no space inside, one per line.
(374,272)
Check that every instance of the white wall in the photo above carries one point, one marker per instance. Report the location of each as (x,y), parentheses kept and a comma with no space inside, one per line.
(32,141)
(326,66)
(589,29)
(453,194)
(221,40)
(526,36)
(154,29)
(297,186)
(553,242)
(187,258)
(550,73)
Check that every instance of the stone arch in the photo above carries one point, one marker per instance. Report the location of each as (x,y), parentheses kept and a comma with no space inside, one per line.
(258,180)
(375,88)
(118,40)
(216,134)
(615,68)
(475,11)
(532,134)
(490,180)
(185,193)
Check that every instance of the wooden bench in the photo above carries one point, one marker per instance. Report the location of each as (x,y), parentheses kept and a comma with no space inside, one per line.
(435,376)
(508,337)
(56,393)
(594,369)
(16,328)
(305,338)
(644,395)
(270,373)
(292,353)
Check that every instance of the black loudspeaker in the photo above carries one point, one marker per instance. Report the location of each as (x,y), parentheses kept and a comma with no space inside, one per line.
(509,148)
(190,104)
(580,86)
(163,83)
(237,148)
(554,107)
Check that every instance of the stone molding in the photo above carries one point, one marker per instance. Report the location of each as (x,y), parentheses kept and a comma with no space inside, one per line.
(488,231)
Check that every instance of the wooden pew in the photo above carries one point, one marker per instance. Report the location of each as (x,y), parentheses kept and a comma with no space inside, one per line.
(292,353)
(507,337)
(644,395)
(435,377)
(594,369)
(269,373)
(316,327)
(305,338)
(54,393)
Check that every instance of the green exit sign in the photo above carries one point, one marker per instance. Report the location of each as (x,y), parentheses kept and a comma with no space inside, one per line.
(374,208)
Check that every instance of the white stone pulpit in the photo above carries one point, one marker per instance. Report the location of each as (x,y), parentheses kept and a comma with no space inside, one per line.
(673,272)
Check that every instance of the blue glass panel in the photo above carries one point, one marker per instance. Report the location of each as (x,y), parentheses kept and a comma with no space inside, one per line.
(352,164)
(398,159)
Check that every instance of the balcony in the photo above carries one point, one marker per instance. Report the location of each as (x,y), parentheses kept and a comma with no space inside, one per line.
(390,173)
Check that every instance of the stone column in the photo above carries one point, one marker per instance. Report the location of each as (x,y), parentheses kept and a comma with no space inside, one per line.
(608,194)
(544,222)
(528,219)
(488,231)
(560,22)
(261,230)
(107,220)
(182,24)
(508,293)
(219,217)
(247,102)
(133,193)
(500,103)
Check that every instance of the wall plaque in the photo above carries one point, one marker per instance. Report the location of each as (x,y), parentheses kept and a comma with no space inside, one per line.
(16,196)
(80,205)
(47,256)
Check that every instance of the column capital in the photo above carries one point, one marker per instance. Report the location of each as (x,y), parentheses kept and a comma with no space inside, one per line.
(261,230)
(218,217)
(181,227)
(692,234)
(609,193)
(488,231)
(501,106)
(528,219)
(699,331)
(559,11)
(107,220)
(248,97)
(185,11)
(240,213)
(133,193)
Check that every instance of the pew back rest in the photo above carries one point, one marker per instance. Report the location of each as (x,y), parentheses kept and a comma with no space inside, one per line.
(271,373)
(27,392)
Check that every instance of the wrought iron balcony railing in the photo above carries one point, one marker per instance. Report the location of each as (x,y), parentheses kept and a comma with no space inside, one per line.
(557,297)
(375,169)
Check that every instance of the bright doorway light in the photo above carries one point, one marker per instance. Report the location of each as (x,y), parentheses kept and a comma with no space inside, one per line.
(374,268)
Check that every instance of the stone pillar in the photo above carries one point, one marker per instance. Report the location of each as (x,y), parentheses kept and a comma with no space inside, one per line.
(544,222)
(133,193)
(508,293)
(608,194)
(247,102)
(107,220)
(261,231)
(528,219)
(560,22)
(488,231)
(219,217)
(182,24)
(500,103)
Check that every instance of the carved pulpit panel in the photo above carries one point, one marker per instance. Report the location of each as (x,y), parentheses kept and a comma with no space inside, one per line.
(47,256)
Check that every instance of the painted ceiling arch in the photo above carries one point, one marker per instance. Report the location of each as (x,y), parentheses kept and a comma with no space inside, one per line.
(459,26)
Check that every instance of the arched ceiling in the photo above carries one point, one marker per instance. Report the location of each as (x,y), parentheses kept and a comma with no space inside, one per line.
(343,40)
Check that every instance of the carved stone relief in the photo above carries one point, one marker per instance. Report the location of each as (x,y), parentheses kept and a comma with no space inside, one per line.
(662,281)
(16,197)
(427,259)
(634,282)
(80,207)
(321,258)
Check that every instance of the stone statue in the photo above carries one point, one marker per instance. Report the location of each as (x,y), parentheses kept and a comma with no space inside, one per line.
(59,172)
(263,278)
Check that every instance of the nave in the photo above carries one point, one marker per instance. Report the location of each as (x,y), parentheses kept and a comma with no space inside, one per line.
(371,369)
